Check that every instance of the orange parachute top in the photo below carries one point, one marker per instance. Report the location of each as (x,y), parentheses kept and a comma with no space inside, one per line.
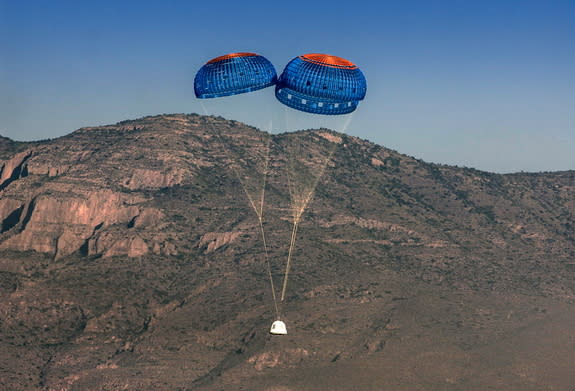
(231,55)
(329,61)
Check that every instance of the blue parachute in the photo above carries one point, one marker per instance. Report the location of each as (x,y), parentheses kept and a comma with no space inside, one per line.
(321,84)
(232,74)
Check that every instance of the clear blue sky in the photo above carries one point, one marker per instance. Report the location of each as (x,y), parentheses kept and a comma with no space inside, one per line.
(486,84)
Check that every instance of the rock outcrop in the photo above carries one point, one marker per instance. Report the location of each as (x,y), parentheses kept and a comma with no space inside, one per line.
(212,241)
(14,168)
(59,224)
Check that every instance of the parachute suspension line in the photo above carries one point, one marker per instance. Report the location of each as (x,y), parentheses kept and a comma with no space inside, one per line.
(295,197)
(301,199)
(258,210)
(326,162)
(290,252)
(262,231)
(346,123)
(286,118)
(329,157)
(260,218)
(269,269)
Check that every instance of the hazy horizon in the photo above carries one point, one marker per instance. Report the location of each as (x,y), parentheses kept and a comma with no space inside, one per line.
(488,86)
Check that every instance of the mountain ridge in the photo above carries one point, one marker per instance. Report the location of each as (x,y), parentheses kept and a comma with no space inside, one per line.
(133,246)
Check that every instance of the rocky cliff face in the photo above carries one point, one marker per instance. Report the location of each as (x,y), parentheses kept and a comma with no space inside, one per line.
(130,258)
(72,190)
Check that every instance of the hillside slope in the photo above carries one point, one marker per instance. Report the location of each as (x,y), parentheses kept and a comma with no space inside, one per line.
(130,258)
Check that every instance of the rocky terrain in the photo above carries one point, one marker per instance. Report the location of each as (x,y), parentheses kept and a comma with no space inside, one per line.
(131,259)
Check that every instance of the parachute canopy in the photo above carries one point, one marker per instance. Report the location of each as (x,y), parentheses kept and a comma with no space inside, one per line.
(321,84)
(232,74)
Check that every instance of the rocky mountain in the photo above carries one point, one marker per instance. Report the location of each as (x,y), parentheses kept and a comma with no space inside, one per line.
(131,259)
